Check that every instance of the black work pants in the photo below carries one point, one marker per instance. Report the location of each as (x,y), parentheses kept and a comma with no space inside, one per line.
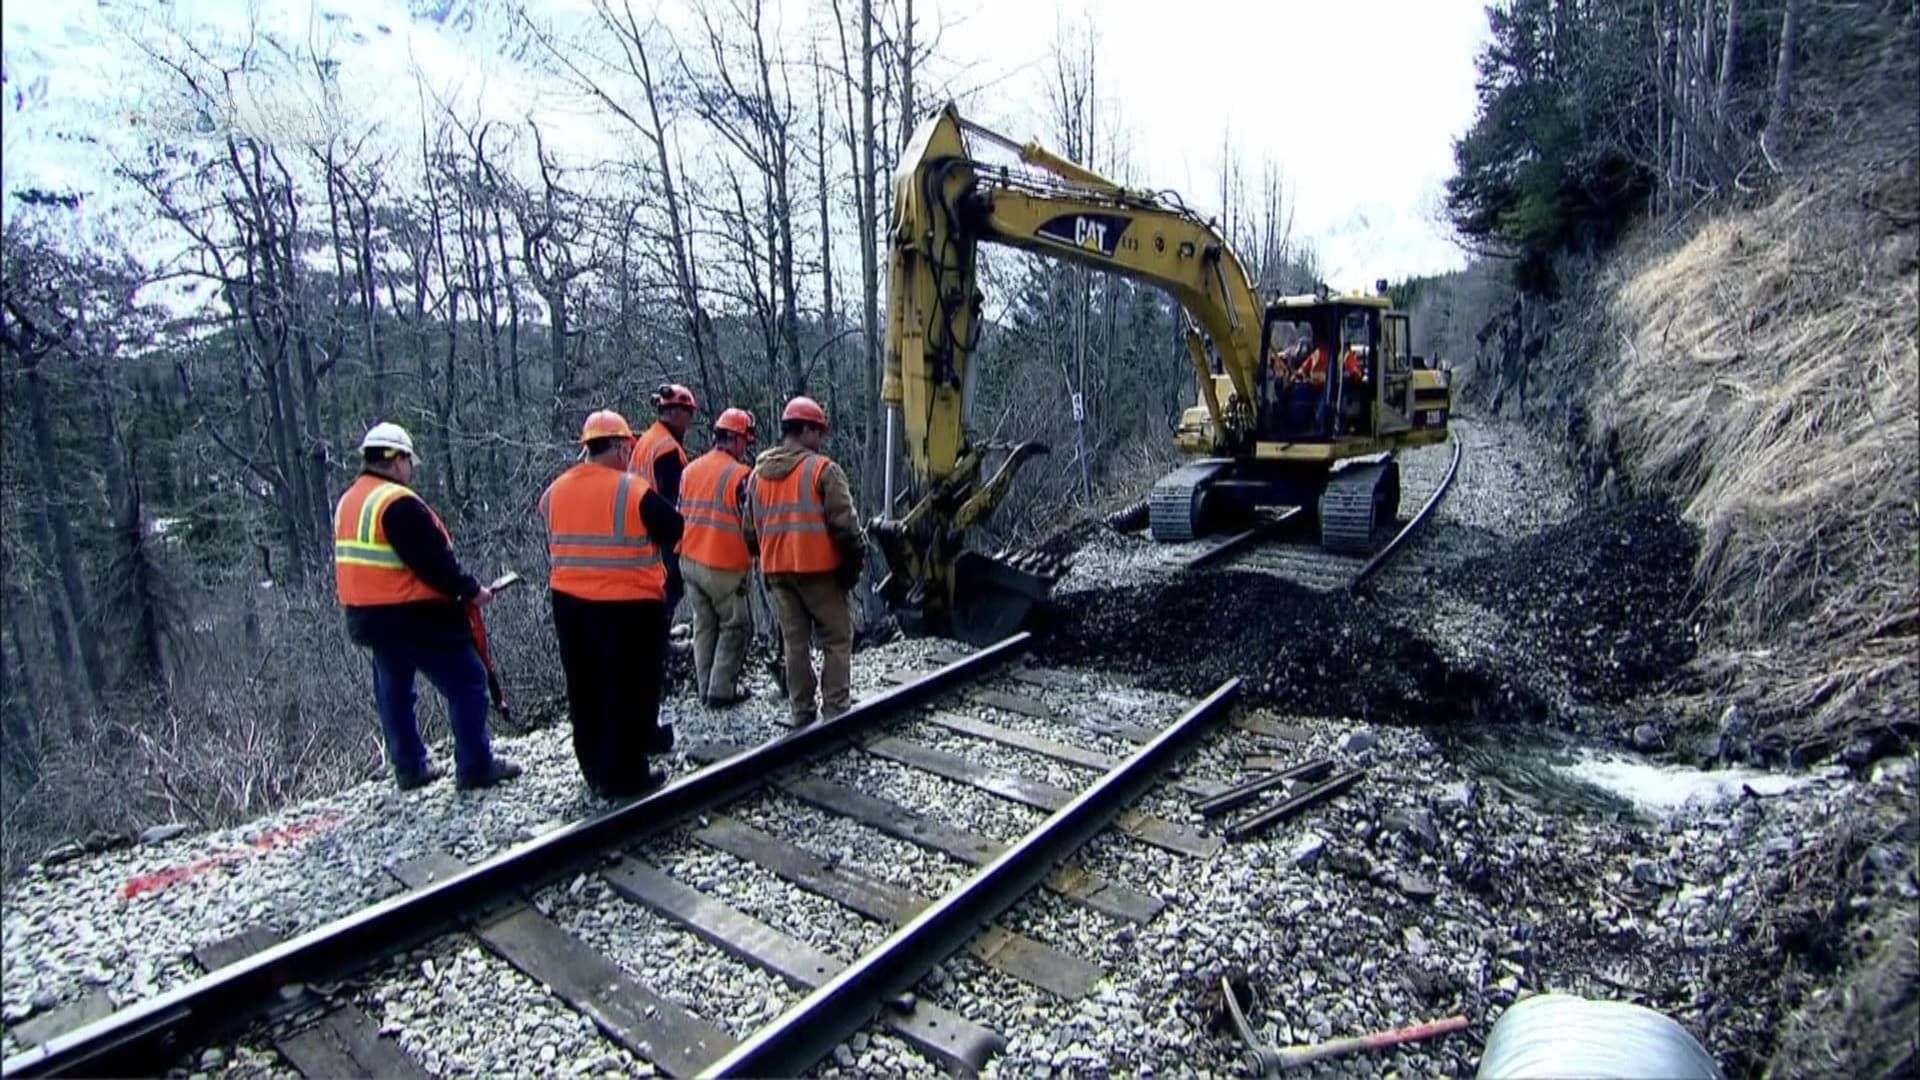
(613,652)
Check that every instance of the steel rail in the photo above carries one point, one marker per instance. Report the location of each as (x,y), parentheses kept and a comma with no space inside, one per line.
(1232,798)
(808,1031)
(145,1037)
(1280,811)
(1400,538)
(1242,540)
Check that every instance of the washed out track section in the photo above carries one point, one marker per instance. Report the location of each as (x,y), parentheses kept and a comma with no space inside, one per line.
(747,868)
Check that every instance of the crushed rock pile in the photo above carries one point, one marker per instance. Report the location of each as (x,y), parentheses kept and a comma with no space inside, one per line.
(1597,605)
(1605,595)
(1296,649)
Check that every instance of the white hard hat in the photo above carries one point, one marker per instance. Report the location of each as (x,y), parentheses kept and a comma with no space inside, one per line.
(386,436)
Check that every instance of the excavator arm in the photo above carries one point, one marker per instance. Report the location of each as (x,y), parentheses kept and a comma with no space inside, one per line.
(946,204)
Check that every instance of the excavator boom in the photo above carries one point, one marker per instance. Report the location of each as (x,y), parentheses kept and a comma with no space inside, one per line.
(946,203)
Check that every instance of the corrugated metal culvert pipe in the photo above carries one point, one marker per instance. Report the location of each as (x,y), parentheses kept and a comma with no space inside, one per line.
(1559,1035)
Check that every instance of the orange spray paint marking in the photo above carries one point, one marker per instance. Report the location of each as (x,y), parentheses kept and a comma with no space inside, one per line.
(269,841)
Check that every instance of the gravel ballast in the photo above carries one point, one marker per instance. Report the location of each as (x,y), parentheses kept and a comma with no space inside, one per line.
(1444,882)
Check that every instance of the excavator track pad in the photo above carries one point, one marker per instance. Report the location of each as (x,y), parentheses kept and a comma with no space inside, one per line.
(1359,501)
(1174,508)
(993,595)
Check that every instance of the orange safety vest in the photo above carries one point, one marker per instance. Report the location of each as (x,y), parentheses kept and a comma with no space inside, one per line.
(1352,366)
(1314,368)
(655,443)
(710,502)
(367,572)
(597,546)
(790,516)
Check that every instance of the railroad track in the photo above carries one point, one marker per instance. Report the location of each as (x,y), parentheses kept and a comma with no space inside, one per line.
(291,992)
(1308,564)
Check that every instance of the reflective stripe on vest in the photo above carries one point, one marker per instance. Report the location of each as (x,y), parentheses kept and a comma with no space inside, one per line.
(597,546)
(790,516)
(655,443)
(710,503)
(367,572)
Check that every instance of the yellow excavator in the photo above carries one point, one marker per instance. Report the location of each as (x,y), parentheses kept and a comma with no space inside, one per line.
(1302,399)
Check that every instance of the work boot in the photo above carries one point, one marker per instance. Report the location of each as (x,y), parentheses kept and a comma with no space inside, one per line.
(801,720)
(500,769)
(410,781)
(726,702)
(651,782)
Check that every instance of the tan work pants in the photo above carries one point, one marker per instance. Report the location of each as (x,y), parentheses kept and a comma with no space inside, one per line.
(814,606)
(722,625)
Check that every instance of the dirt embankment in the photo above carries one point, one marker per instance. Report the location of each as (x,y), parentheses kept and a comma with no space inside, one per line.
(1761,369)
(1758,369)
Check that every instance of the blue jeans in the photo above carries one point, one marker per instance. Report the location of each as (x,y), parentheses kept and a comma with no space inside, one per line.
(455,670)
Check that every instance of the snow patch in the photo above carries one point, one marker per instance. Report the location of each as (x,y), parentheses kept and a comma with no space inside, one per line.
(1666,789)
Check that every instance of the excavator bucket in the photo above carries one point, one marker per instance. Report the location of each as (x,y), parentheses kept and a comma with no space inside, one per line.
(937,585)
(993,595)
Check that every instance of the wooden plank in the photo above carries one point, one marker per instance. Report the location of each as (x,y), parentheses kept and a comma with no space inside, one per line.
(64,1018)
(1022,957)
(1260,725)
(1013,703)
(218,954)
(1049,678)
(1118,728)
(959,1043)
(1039,794)
(903,676)
(343,1042)
(346,1042)
(630,1013)
(1266,763)
(1059,751)
(945,656)
(893,819)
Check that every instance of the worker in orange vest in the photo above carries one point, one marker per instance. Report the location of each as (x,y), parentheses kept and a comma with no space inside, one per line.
(812,548)
(1314,369)
(609,539)
(715,559)
(660,458)
(404,594)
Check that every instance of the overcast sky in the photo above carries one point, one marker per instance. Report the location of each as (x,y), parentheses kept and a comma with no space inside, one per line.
(1357,101)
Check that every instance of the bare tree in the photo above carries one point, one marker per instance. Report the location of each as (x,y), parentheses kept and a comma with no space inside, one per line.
(1782,97)
(860,139)
(549,225)
(30,335)
(636,60)
(753,115)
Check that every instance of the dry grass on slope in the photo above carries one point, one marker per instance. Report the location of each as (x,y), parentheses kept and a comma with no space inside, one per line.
(1769,379)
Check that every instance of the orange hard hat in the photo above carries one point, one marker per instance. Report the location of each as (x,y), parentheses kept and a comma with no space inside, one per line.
(807,409)
(736,422)
(605,424)
(673,395)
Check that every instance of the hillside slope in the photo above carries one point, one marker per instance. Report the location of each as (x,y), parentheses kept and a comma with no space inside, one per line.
(1760,366)
(1765,376)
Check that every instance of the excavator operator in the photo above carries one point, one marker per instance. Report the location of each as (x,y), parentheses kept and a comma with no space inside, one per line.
(1313,369)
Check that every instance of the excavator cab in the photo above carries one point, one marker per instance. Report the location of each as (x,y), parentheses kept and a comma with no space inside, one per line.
(1323,373)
